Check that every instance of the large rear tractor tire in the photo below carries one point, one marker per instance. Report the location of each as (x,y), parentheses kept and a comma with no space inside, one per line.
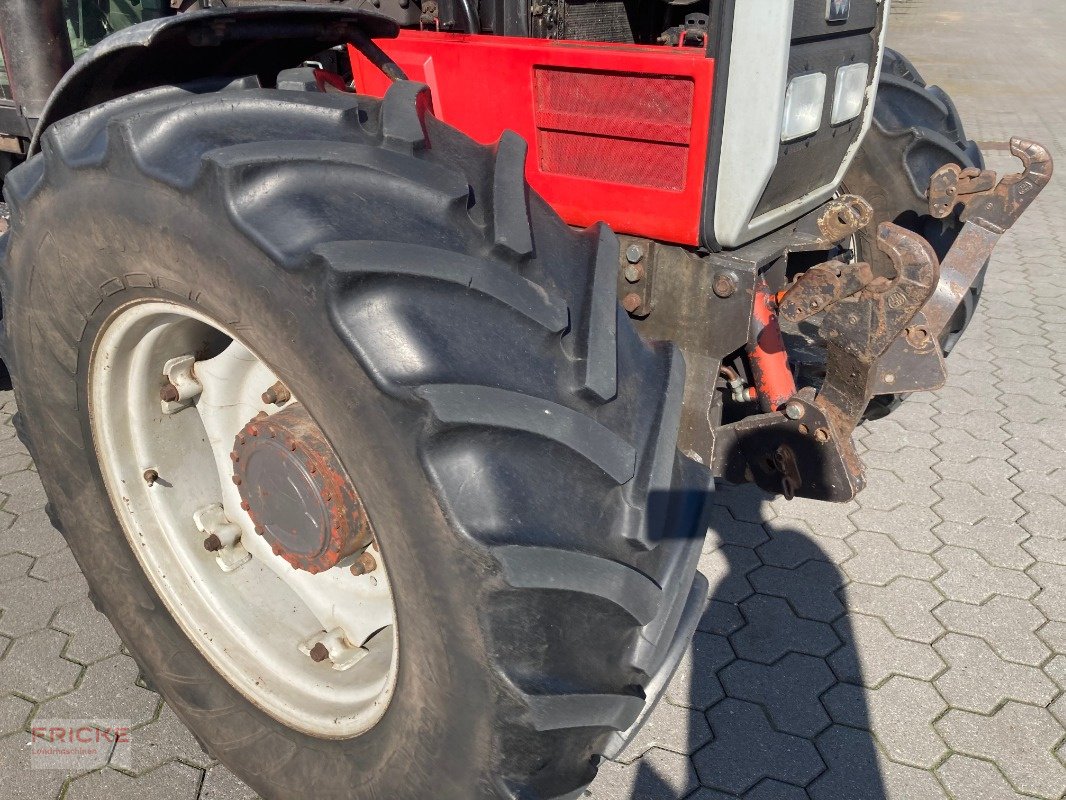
(452,358)
(916,130)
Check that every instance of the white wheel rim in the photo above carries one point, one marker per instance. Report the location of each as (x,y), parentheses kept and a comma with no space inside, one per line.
(256,623)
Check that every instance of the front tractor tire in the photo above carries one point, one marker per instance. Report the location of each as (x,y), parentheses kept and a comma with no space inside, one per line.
(462,353)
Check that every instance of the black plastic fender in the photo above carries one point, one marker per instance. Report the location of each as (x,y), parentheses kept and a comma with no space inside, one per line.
(255,40)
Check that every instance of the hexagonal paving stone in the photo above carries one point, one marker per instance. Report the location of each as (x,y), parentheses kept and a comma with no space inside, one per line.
(14,565)
(55,565)
(746,749)
(221,784)
(999,543)
(773,629)
(791,545)
(162,740)
(979,680)
(727,529)
(726,569)
(24,492)
(872,653)
(788,691)
(909,526)
(720,618)
(31,534)
(811,588)
(1054,634)
(678,730)
(92,636)
(659,775)
(107,691)
(857,769)
(1009,625)
(1018,738)
(961,502)
(879,560)
(20,781)
(1052,597)
(974,780)
(694,684)
(746,502)
(886,490)
(28,603)
(1043,513)
(906,605)
(1044,549)
(173,781)
(900,714)
(34,668)
(971,579)
(14,713)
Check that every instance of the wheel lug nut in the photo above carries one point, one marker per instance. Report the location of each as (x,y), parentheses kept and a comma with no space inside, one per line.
(169,393)
(277,394)
(364,564)
(150,476)
(319,653)
(212,544)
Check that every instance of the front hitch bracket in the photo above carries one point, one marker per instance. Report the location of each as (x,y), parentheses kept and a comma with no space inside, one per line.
(881,335)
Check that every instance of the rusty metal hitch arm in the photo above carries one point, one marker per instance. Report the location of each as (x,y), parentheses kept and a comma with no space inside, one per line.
(807,448)
(881,336)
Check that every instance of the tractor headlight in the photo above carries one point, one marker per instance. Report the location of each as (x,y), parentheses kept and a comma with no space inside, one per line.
(804,101)
(850,92)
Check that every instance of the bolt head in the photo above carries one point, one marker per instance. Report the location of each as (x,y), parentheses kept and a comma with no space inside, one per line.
(169,393)
(634,253)
(364,564)
(631,302)
(212,544)
(634,273)
(319,653)
(795,410)
(150,476)
(725,283)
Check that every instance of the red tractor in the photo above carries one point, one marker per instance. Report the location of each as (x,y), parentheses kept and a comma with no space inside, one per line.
(378,366)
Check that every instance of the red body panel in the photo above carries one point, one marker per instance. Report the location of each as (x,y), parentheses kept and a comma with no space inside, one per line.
(616,132)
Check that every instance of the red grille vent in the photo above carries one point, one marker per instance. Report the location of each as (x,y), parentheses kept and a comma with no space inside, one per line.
(617,127)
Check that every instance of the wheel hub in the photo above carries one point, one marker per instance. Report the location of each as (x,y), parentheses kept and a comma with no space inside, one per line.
(296,491)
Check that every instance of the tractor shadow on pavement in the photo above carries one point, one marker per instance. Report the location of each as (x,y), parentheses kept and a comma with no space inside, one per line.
(769,701)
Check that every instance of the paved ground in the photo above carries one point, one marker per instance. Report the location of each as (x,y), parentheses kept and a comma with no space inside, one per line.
(910,645)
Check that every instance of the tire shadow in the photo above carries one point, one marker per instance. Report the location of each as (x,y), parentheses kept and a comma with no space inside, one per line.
(769,699)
